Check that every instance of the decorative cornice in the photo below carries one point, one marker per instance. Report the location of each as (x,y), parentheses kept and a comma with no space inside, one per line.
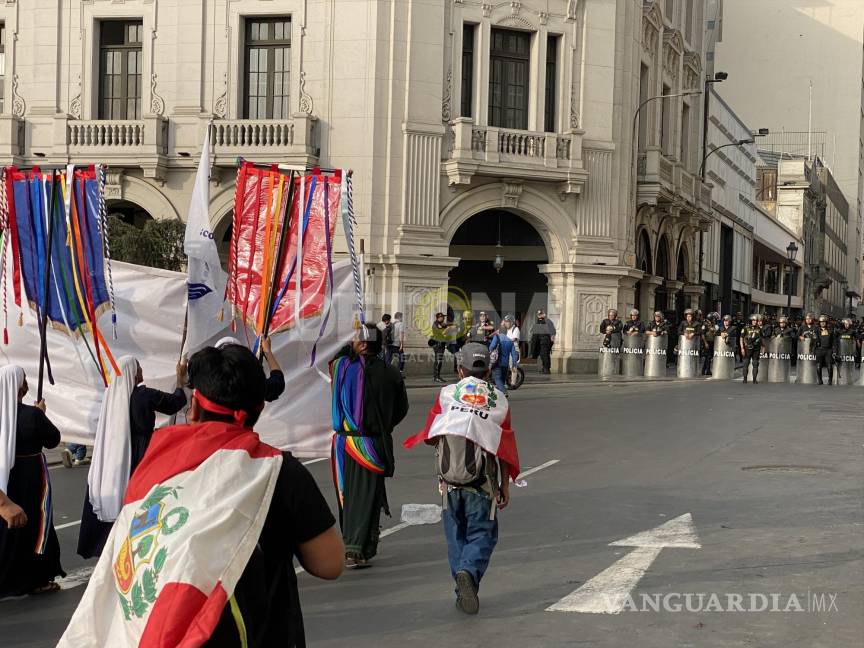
(19,106)
(306,103)
(157,103)
(445,103)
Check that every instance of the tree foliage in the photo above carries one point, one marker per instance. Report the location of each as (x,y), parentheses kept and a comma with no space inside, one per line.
(159,244)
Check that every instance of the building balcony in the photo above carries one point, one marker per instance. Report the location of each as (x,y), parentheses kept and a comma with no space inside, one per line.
(268,141)
(665,182)
(140,143)
(500,152)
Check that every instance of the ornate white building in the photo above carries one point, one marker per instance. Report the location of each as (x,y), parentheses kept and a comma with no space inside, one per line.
(469,125)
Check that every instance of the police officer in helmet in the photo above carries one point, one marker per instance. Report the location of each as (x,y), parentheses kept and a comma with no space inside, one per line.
(751,346)
(824,349)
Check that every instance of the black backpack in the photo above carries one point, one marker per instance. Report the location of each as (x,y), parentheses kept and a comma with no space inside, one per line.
(388,335)
(461,462)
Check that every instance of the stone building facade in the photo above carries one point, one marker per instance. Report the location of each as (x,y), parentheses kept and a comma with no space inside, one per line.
(476,129)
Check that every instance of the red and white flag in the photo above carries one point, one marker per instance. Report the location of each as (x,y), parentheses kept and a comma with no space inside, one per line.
(474,409)
(193,512)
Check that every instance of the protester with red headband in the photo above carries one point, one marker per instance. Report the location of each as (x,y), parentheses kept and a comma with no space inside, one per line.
(202,552)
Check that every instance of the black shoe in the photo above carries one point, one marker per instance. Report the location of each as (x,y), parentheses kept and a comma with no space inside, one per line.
(466,593)
(820,382)
(745,380)
(755,382)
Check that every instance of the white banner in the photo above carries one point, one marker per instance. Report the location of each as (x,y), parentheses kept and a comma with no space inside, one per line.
(150,311)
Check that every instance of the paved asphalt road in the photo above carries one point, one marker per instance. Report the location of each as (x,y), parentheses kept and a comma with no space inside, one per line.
(771,475)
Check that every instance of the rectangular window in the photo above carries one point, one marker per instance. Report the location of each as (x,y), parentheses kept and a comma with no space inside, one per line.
(468,70)
(551,85)
(509,60)
(268,68)
(688,21)
(120,63)
(766,185)
(643,113)
(665,122)
(685,135)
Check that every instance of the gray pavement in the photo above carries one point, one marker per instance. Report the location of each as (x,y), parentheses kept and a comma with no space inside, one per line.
(770,474)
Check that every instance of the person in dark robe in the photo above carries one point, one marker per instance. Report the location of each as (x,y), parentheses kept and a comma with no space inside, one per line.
(29,549)
(369,400)
(126,424)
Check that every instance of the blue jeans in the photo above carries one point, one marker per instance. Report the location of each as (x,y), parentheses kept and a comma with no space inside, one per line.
(498,377)
(471,535)
(78,451)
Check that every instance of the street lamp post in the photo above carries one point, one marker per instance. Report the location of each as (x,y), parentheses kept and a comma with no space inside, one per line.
(791,251)
(719,77)
(633,179)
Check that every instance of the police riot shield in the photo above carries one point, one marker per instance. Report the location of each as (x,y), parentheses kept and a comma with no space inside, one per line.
(779,359)
(632,355)
(806,364)
(610,362)
(846,362)
(688,356)
(723,364)
(655,355)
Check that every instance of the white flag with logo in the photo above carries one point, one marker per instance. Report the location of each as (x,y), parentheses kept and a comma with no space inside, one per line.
(207,280)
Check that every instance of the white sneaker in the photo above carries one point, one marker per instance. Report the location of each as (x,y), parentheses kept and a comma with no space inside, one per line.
(66,457)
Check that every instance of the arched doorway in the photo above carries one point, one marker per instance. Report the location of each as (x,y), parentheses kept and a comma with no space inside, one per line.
(643,263)
(518,287)
(136,237)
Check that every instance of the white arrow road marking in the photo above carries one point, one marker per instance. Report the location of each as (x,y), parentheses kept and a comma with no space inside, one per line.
(609,590)
(75,578)
(57,527)
(311,461)
(536,469)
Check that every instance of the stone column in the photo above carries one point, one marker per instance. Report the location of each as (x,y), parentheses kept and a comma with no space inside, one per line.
(672,289)
(648,293)
(693,295)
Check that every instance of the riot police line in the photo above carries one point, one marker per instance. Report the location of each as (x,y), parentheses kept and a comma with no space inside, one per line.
(718,347)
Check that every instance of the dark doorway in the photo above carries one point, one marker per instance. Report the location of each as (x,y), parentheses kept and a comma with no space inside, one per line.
(727,252)
(519,288)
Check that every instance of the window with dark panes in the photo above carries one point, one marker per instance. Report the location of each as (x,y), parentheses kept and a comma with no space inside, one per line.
(268,68)
(665,122)
(120,63)
(509,60)
(466,109)
(551,85)
(766,186)
(2,67)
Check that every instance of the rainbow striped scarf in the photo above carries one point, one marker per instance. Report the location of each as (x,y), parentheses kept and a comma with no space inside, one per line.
(348,378)
(45,514)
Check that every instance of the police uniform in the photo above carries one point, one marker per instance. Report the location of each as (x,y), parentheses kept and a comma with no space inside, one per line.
(611,339)
(843,333)
(658,328)
(824,350)
(709,330)
(751,340)
(631,327)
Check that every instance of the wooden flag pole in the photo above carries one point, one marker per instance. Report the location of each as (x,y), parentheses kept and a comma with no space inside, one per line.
(43,333)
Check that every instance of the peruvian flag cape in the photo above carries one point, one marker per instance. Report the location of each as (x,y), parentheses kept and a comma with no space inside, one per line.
(193,512)
(474,409)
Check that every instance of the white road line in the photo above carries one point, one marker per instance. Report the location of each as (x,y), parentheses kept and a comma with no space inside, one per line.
(75,578)
(57,527)
(311,461)
(394,529)
(531,471)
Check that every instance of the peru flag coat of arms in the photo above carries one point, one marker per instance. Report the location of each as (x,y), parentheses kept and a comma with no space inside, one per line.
(192,517)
